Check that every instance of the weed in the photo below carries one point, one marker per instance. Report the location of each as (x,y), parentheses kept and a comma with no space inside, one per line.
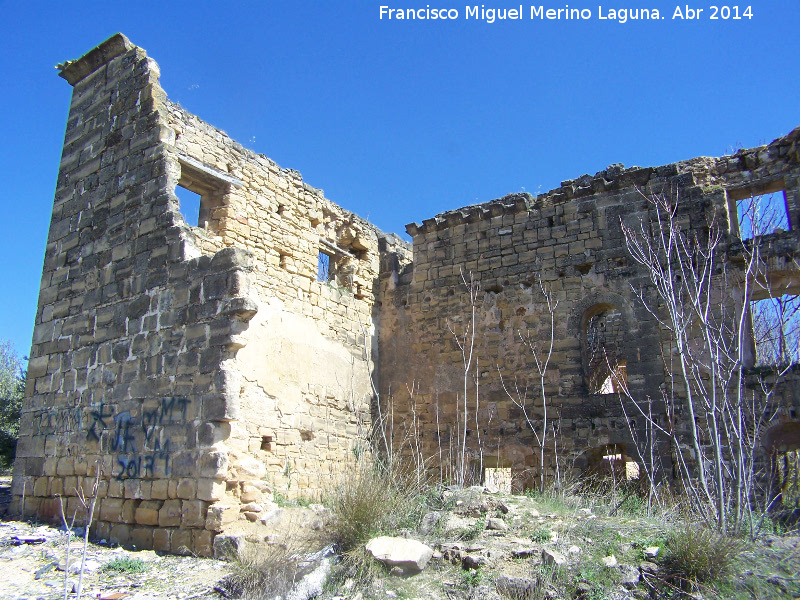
(470,533)
(471,578)
(264,573)
(541,535)
(126,564)
(698,555)
(371,500)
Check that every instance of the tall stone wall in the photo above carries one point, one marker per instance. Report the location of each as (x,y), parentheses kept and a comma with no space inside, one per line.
(200,368)
(569,240)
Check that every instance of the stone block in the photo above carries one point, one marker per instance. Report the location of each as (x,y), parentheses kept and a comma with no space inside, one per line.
(193,513)
(210,490)
(120,534)
(162,540)
(187,488)
(129,510)
(66,466)
(219,515)
(159,489)
(170,514)
(147,513)
(182,542)
(204,543)
(142,538)
(41,486)
(111,510)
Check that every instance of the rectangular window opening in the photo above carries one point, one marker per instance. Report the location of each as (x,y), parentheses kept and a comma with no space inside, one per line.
(762,214)
(776,330)
(325,268)
(189,205)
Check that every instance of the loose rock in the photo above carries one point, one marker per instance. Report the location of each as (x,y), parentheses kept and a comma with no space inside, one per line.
(409,555)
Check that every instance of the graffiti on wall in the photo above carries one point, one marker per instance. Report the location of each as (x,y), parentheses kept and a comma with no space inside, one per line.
(141,444)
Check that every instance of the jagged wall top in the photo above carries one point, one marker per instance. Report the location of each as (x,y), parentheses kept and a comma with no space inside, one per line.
(701,170)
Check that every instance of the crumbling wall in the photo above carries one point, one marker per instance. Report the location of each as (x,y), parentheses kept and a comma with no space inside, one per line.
(304,373)
(569,239)
(199,369)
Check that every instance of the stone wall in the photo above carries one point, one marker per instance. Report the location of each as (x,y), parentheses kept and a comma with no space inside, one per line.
(202,368)
(569,240)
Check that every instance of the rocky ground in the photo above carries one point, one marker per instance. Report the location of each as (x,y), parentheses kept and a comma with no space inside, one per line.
(32,559)
(482,545)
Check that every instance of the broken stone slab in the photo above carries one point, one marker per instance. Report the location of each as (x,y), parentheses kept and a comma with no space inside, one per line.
(28,539)
(429,522)
(651,551)
(517,588)
(523,552)
(312,584)
(648,568)
(496,524)
(610,561)
(474,561)
(456,522)
(553,557)
(629,576)
(228,547)
(410,555)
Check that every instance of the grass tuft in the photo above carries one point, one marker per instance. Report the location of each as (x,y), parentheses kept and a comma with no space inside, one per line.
(698,555)
(261,573)
(127,565)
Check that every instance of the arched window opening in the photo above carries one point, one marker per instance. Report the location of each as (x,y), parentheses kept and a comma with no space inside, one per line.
(606,370)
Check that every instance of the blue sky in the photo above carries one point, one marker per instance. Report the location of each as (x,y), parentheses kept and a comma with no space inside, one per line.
(400,120)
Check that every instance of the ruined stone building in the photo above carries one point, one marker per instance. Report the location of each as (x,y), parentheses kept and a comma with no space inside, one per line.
(204,368)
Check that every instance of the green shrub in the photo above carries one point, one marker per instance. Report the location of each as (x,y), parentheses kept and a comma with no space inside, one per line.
(470,533)
(541,535)
(127,565)
(12,391)
(695,554)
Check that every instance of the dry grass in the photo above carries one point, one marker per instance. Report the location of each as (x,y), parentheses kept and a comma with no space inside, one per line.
(371,499)
(262,572)
(698,555)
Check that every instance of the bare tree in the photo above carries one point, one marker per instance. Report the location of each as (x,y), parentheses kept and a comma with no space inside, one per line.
(541,357)
(465,340)
(703,305)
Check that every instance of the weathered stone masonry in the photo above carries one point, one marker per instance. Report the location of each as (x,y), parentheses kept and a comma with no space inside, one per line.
(571,240)
(203,368)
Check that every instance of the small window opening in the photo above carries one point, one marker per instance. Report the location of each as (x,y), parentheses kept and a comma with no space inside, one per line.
(266,443)
(201,191)
(190,204)
(337,266)
(612,460)
(606,371)
(776,330)
(761,213)
(325,270)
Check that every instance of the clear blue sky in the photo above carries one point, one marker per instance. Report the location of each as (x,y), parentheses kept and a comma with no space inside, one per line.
(400,120)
